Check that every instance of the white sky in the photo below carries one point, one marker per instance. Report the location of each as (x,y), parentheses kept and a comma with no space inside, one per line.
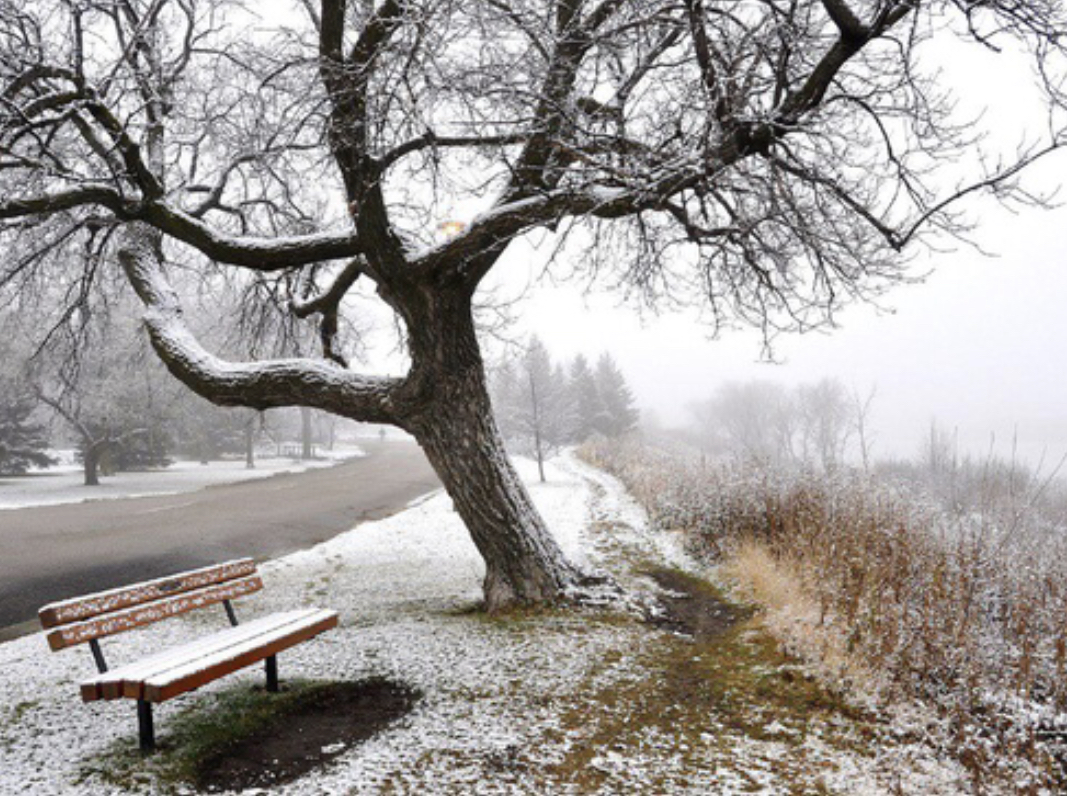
(976,347)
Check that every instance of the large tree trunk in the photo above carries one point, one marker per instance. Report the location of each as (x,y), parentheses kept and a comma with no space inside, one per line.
(524,564)
(443,402)
(453,423)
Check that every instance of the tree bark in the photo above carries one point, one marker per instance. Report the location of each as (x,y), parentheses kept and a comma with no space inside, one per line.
(91,463)
(452,420)
(524,564)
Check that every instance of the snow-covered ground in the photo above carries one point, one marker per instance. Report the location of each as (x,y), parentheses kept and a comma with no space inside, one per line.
(508,705)
(64,483)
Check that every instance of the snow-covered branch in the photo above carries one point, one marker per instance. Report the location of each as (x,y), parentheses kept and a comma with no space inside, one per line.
(256,253)
(259,385)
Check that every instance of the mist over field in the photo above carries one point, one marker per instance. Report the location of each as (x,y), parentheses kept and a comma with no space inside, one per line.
(973,348)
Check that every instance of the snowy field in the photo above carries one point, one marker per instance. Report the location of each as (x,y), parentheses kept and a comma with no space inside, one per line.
(64,483)
(505,703)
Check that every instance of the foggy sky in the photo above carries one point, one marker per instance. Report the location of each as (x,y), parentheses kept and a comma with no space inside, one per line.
(976,347)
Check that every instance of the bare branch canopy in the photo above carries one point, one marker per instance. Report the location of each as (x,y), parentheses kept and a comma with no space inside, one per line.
(768,159)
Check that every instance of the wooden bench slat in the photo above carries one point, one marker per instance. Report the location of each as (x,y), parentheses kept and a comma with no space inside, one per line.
(192,675)
(130,618)
(85,607)
(166,674)
(111,684)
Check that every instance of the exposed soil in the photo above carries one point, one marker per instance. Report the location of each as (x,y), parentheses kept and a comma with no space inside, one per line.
(692,607)
(315,731)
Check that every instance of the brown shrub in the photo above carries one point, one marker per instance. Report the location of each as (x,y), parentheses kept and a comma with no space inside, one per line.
(964,609)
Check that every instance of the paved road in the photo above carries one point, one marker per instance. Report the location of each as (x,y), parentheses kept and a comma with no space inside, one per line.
(53,552)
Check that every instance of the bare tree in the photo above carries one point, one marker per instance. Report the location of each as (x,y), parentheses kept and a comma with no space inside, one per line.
(110,403)
(773,156)
(824,424)
(861,422)
(532,403)
(754,420)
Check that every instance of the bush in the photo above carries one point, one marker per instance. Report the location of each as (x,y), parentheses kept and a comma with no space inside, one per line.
(963,606)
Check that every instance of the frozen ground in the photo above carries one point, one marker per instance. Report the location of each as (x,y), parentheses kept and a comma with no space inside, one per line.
(515,706)
(64,482)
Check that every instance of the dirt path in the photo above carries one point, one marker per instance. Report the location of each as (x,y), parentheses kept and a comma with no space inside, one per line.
(53,552)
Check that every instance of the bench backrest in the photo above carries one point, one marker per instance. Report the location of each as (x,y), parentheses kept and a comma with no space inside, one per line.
(106,613)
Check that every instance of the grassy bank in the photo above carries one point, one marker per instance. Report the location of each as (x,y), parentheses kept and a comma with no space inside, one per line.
(890,592)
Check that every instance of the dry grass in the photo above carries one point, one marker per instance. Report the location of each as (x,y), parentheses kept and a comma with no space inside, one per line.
(793,616)
(964,608)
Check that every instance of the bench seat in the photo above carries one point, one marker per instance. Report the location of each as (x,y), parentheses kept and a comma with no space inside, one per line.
(163,675)
(160,677)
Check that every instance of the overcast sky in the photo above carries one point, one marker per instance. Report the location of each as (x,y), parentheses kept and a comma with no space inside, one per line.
(978,346)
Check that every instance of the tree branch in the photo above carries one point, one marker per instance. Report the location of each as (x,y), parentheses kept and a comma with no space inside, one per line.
(259,385)
(258,254)
(333,295)
(846,20)
(429,139)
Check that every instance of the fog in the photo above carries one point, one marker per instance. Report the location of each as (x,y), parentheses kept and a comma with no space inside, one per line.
(975,346)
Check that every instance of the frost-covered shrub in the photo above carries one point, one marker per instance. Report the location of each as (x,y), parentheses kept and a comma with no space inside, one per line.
(962,604)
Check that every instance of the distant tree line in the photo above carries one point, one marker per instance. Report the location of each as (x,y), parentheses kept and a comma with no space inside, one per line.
(133,429)
(817,424)
(89,381)
(119,414)
(542,405)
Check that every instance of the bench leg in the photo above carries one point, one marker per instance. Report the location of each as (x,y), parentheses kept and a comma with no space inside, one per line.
(145,729)
(272,673)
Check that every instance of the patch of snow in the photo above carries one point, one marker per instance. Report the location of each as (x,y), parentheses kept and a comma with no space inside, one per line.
(504,702)
(64,483)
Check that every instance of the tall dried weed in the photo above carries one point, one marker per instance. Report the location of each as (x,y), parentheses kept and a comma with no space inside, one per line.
(955,595)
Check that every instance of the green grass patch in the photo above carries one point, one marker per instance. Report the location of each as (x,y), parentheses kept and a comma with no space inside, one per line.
(20,710)
(691,699)
(213,722)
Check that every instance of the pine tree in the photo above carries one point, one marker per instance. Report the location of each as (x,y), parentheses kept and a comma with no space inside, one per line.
(584,400)
(22,442)
(618,413)
(504,388)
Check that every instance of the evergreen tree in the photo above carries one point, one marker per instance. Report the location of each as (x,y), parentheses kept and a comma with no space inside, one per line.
(584,400)
(503,388)
(617,412)
(22,441)
(207,433)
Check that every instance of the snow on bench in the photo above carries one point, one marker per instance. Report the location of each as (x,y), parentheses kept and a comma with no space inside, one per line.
(167,674)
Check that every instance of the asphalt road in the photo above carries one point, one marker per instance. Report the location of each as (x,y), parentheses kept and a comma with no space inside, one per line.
(49,553)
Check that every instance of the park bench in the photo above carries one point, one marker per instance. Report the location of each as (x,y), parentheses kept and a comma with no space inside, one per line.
(167,674)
